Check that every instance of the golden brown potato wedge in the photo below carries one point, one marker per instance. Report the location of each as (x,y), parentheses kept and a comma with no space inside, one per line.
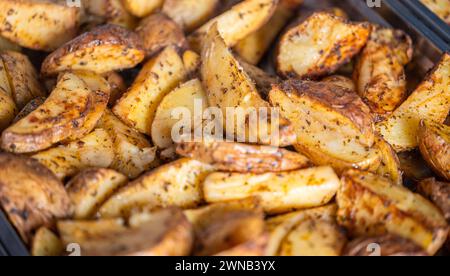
(372,205)
(390,163)
(31,195)
(434,144)
(142,8)
(93,150)
(157,78)
(39,25)
(22,77)
(440,7)
(106,48)
(320,45)
(8,110)
(29,107)
(229,86)
(7,45)
(237,23)
(46,244)
(109,11)
(263,81)
(133,152)
(242,158)
(279,192)
(158,31)
(117,85)
(89,189)
(253,47)
(341,81)
(438,193)
(430,101)
(190,14)
(175,184)
(388,245)
(379,72)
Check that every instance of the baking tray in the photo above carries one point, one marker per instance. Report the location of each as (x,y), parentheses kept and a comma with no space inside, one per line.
(429,49)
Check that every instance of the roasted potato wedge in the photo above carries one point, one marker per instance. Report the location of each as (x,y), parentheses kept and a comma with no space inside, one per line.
(388,245)
(7,45)
(142,8)
(320,45)
(430,101)
(94,150)
(438,193)
(22,77)
(341,81)
(31,195)
(8,110)
(390,163)
(158,31)
(440,7)
(372,205)
(109,11)
(279,192)
(379,72)
(186,97)
(29,107)
(157,78)
(89,189)
(106,48)
(434,144)
(229,86)
(39,25)
(263,81)
(46,244)
(117,85)
(190,14)
(175,184)
(253,47)
(133,152)
(242,158)
(236,23)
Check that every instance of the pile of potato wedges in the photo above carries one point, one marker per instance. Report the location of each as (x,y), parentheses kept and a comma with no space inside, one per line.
(88,156)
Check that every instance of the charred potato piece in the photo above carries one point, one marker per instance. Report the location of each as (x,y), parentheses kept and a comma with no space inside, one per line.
(175,184)
(110,11)
(440,7)
(94,150)
(106,48)
(29,107)
(236,23)
(142,8)
(89,189)
(390,163)
(242,158)
(372,205)
(434,144)
(320,45)
(438,193)
(133,152)
(39,25)
(158,31)
(388,245)
(430,101)
(279,192)
(31,195)
(253,47)
(46,244)
(379,72)
(190,14)
(341,81)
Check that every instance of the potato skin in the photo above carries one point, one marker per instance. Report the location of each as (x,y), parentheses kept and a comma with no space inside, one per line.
(31,195)
(29,107)
(190,14)
(438,193)
(390,245)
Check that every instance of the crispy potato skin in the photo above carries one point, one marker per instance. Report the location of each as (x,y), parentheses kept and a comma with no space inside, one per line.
(379,72)
(434,144)
(438,193)
(325,42)
(243,158)
(190,14)
(390,245)
(39,25)
(104,49)
(158,31)
(29,107)
(31,194)
(341,81)
(46,244)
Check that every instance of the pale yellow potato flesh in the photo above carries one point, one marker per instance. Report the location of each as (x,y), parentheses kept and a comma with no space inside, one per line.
(46,244)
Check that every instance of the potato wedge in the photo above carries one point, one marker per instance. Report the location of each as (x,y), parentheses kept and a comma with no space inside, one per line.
(242,158)
(372,205)
(175,184)
(158,31)
(434,144)
(89,189)
(8,110)
(157,78)
(189,96)
(263,81)
(279,192)
(22,77)
(390,163)
(430,101)
(237,23)
(438,193)
(117,85)
(7,45)
(388,245)
(440,7)
(253,47)
(341,81)
(94,150)
(133,152)
(29,107)
(39,25)
(320,45)
(379,72)
(229,86)
(109,11)
(106,48)
(31,195)
(46,244)
(142,8)
(252,248)
(190,14)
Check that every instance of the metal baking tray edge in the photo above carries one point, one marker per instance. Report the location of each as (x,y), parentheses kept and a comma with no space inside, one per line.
(10,241)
